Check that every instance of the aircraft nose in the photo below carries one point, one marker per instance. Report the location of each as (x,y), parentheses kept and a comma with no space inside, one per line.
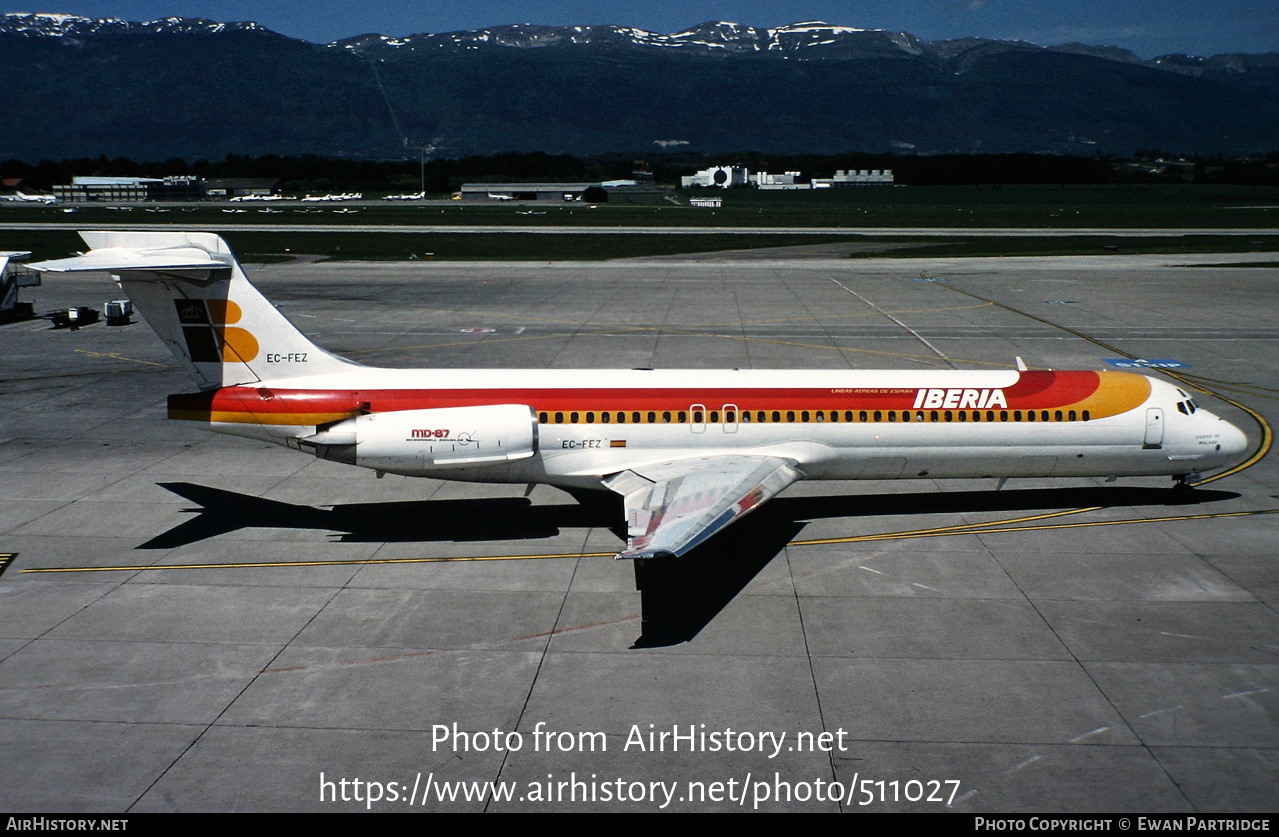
(1234,444)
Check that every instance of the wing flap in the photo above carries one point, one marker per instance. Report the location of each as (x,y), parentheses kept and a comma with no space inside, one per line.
(674,506)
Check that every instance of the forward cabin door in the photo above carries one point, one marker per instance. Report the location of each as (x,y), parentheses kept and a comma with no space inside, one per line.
(1154,428)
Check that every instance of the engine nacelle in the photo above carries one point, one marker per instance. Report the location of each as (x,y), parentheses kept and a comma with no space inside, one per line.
(418,442)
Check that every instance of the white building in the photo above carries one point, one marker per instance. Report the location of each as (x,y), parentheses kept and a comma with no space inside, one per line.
(726,176)
(721,176)
(764,180)
(864,177)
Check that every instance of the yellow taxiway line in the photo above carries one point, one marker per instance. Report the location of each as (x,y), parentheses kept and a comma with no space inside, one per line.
(359,562)
(992,527)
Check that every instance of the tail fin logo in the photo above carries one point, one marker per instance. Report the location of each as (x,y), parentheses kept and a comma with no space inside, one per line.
(211,337)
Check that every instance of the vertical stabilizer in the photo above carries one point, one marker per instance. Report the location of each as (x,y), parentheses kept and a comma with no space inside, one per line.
(194,294)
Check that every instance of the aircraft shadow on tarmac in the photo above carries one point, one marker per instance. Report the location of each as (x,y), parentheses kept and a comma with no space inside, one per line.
(678,597)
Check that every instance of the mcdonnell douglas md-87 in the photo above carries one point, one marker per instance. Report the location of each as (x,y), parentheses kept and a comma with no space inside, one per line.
(689,450)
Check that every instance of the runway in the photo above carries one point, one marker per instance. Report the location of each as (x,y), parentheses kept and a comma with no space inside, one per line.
(201,623)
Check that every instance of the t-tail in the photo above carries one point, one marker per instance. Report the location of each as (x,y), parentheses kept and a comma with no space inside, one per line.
(194,294)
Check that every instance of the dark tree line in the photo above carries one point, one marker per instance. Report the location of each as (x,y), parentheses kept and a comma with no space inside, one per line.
(314,173)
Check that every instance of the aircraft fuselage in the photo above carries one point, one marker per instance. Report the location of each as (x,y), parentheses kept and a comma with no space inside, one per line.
(832,425)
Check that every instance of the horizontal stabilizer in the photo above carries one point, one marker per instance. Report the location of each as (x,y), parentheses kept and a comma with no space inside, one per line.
(118,259)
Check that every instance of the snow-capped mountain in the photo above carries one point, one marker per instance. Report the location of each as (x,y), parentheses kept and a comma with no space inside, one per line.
(809,40)
(806,40)
(190,87)
(713,36)
(49,24)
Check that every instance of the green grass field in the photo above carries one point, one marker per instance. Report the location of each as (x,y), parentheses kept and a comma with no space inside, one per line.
(1128,206)
(1027,206)
(940,207)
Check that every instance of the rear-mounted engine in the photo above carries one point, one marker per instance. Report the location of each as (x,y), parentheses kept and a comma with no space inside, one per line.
(417,442)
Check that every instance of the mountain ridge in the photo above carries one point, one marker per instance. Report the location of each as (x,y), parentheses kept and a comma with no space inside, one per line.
(193,87)
(710,35)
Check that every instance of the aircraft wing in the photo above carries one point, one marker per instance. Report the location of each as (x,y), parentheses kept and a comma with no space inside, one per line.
(674,506)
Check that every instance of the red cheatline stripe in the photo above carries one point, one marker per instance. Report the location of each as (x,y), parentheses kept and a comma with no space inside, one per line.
(1035,390)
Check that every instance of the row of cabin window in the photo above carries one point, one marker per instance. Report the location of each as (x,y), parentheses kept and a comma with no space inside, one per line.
(849,416)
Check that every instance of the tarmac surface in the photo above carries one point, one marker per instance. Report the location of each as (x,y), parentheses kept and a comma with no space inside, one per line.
(982,655)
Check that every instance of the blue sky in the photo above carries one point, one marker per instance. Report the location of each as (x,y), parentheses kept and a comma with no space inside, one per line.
(1147,27)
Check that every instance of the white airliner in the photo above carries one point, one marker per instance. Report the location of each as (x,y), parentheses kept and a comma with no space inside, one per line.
(22,197)
(690,450)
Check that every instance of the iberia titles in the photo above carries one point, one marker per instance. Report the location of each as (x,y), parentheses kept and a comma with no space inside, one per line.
(959,399)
